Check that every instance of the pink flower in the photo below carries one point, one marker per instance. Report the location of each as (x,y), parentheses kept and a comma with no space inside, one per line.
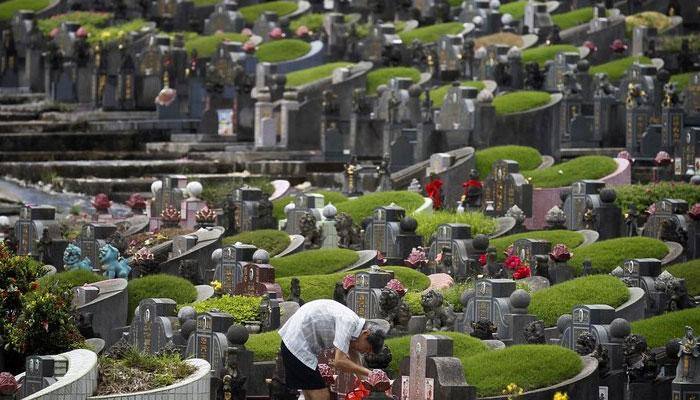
(81,32)
(522,272)
(509,251)
(560,253)
(618,46)
(513,262)
(303,31)
(662,159)
(590,45)
(378,381)
(651,210)
(249,47)
(276,33)
(348,282)
(625,155)
(8,384)
(101,202)
(247,32)
(166,97)
(397,286)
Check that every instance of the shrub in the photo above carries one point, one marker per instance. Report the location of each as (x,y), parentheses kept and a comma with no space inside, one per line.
(573,18)
(264,345)
(431,33)
(160,286)
(305,76)
(453,294)
(18,276)
(530,366)
(314,262)
(9,8)
(661,329)
(529,158)
(363,207)
(690,271)
(282,8)
(428,223)
(328,195)
(282,50)
(645,195)
(570,238)
(269,239)
(565,174)
(241,308)
(76,277)
(438,94)
(549,304)
(608,254)
(516,9)
(542,54)
(616,69)
(412,299)
(520,101)
(382,76)
(206,45)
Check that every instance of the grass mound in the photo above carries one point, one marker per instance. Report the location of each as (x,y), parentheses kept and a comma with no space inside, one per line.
(520,101)
(529,158)
(115,32)
(571,239)
(9,8)
(682,80)
(329,196)
(300,78)
(428,223)
(645,195)
(282,50)
(549,304)
(241,308)
(314,262)
(281,8)
(382,76)
(264,345)
(690,271)
(431,33)
(617,69)
(206,45)
(662,328)
(530,366)
(160,286)
(438,94)
(565,174)
(215,193)
(363,206)
(651,19)
(542,54)
(515,9)
(76,277)
(85,19)
(608,254)
(272,240)
(505,38)
(573,18)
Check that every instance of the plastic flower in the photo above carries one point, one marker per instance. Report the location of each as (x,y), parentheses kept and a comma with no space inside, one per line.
(417,257)
(249,47)
(170,214)
(618,46)
(378,381)
(662,159)
(509,251)
(560,396)
(8,384)
(206,214)
(522,272)
(302,31)
(348,282)
(560,253)
(276,33)
(482,259)
(513,262)
(396,285)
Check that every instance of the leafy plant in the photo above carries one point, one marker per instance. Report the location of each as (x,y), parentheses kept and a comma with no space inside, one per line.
(241,308)
(573,18)
(690,271)
(616,69)
(645,195)
(18,276)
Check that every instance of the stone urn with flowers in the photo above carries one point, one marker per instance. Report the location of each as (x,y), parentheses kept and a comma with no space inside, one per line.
(559,270)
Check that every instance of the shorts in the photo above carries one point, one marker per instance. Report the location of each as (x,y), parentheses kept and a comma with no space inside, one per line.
(297,375)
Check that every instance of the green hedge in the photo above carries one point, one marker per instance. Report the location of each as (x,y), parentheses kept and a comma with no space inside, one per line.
(76,277)
(571,239)
(301,78)
(520,101)
(206,45)
(661,329)
(202,3)
(282,50)
(573,18)
(241,308)
(9,8)
(264,345)
(608,254)
(529,366)
(565,174)
(282,8)
(690,271)
(313,21)
(428,223)
(617,69)
(328,197)
(529,158)
(382,76)
(542,54)
(516,9)
(363,206)
(438,94)
(431,33)
(160,286)
(645,195)
(549,304)
(314,262)
(272,240)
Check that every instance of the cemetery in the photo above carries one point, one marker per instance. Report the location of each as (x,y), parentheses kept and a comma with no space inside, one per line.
(502,197)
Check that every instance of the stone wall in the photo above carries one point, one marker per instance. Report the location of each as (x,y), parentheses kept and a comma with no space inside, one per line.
(602,39)
(78,383)
(109,310)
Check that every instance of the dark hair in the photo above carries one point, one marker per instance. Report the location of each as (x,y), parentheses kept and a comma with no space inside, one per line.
(376,340)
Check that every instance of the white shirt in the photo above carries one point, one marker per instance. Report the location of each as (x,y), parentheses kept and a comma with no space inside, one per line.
(319,325)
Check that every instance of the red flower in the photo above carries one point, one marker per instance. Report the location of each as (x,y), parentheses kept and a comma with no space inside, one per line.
(45,324)
(378,381)
(482,259)
(560,253)
(397,286)
(348,282)
(513,262)
(8,384)
(522,272)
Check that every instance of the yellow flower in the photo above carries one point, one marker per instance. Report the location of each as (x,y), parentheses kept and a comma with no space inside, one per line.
(561,396)
(216,285)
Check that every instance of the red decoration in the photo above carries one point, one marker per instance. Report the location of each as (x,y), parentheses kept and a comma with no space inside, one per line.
(136,202)
(618,46)
(377,381)
(205,215)
(560,253)
(472,183)
(249,47)
(695,211)
(276,33)
(434,191)
(590,45)
(101,202)
(8,384)
(522,272)
(348,282)
(513,262)
(482,259)
(170,214)
(359,393)
(397,286)
(247,32)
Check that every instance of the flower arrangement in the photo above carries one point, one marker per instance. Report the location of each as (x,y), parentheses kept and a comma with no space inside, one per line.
(348,282)
(560,253)
(417,258)
(560,396)
(205,215)
(143,256)
(694,212)
(513,391)
(380,258)
(217,286)
(170,216)
(377,381)
(662,159)
(136,202)
(522,272)
(618,46)
(276,34)
(397,286)
(101,202)
(303,31)
(513,262)
(8,385)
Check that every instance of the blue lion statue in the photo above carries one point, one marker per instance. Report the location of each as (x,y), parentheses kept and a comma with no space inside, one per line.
(71,259)
(114,265)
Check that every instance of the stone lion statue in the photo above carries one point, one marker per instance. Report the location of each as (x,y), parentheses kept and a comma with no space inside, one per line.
(534,332)
(585,343)
(114,265)
(483,329)
(640,365)
(308,229)
(348,234)
(439,317)
(393,309)
(71,259)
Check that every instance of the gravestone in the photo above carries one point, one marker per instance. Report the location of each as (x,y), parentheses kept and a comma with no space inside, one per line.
(258,279)
(225,18)
(92,238)
(209,342)
(669,222)
(563,62)
(153,64)
(381,233)
(465,250)
(154,325)
(29,229)
(245,202)
(229,269)
(537,19)
(266,22)
(506,187)
(450,57)
(535,252)
(691,96)
(457,118)
(685,155)
(642,273)
(303,203)
(584,196)
(490,302)
(363,298)
(169,193)
(42,372)
(270,312)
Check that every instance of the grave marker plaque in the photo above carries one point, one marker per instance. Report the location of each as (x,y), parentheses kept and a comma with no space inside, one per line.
(41,372)
(584,196)
(382,232)
(30,226)
(209,340)
(588,318)
(92,237)
(144,332)
(668,222)
(230,269)
(506,187)
(364,297)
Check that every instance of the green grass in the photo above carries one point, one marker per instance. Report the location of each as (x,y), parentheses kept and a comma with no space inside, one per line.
(690,271)
(113,33)
(314,287)
(549,304)
(9,8)
(215,193)
(282,8)
(529,366)
(76,277)
(516,9)
(617,69)
(160,286)
(565,174)
(313,21)
(282,50)
(674,43)
(83,18)
(571,239)
(314,262)
(241,308)
(608,254)
(464,346)
(529,158)
(662,328)
(645,195)
(272,240)
(202,3)
(682,80)
(438,94)
(264,345)
(363,206)
(301,78)
(431,33)
(573,18)
(520,101)
(382,76)
(428,223)
(542,54)
(206,45)
(647,18)
(363,30)
(329,196)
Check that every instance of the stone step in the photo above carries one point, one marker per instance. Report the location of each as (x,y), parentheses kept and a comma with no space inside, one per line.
(76,141)
(38,126)
(70,155)
(18,115)
(20,96)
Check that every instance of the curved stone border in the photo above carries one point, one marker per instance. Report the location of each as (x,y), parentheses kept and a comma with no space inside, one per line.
(281,188)
(633,309)
(589,237)
(675,250)
(109,308)
(79,382)
(505,225)
(296,244)
(490,86)
(204,292)
(426,207)
(303,7)
(547,161)
(311,59)
(552,6)
(194,387)
(583,386)
(529,40)
(365,260)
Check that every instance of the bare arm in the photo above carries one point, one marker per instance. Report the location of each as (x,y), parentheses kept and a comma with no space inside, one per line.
(344,363)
